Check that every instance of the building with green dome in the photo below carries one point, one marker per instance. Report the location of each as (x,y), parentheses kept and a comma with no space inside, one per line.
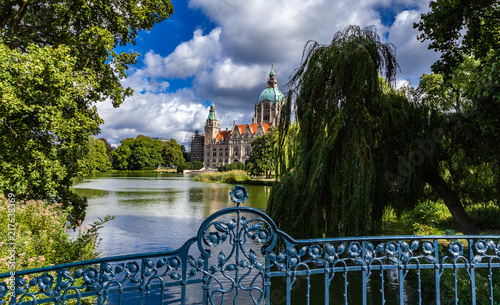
(269,103)
(220,147)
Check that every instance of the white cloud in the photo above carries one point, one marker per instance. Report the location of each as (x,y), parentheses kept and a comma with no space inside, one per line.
(413,56)
(169,115)
(189,58)
(230,64)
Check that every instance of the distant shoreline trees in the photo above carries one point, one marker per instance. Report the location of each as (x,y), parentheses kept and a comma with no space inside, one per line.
(144,153)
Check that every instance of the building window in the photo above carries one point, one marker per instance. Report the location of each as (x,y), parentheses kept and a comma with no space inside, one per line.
(208,154)
(214,153)
(266,115)
(208,161)
(248,151)
(236,152)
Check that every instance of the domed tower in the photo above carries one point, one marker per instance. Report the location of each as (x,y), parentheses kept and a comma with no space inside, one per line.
(211,126)
(269,103)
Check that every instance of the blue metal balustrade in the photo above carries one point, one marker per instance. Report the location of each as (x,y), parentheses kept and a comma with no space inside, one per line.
(240,257)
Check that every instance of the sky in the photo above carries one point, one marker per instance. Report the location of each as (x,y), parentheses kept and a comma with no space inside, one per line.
(221,52)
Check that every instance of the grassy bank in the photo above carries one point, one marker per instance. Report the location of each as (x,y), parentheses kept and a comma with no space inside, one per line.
(434,218)
(234,176)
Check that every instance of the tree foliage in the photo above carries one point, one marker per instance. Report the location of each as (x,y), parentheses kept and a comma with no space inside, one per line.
(109,148)
(352,127)
(57,60)
(460,27)
(468,35)
(45,120)
(361,146)
(261,161)
(195,165)
(172,153)
(92,30)
(236,165)
(141,153)
(96,158)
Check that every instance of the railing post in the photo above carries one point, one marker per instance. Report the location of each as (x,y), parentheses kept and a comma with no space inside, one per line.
(436,272)
(184,262)
(363,273)
(58,290)
(206,279)
(99,290)
(401,275)
(288,289)
(267,280)
(327,284)
(472,274)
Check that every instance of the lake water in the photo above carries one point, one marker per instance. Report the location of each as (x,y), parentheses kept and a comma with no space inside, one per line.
(155,212)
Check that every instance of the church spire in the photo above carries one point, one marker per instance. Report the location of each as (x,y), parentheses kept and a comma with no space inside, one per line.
(271,81)
(211,114)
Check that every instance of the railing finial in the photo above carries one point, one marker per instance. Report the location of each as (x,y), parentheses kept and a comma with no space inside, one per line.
(239,194)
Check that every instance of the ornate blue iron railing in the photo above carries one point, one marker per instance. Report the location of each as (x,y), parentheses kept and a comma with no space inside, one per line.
(240,257)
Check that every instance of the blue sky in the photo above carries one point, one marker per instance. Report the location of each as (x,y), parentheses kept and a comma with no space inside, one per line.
(221,51)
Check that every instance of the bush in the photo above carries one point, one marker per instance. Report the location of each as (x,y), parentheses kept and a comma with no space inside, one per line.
(235,176)
(236,165)
(486,216)
(195,165)
(434,218)
(41,237)
(429,218)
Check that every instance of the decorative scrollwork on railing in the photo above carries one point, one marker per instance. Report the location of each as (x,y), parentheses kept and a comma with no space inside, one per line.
(237,267)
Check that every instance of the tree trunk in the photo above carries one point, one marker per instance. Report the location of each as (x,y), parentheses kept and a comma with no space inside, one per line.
(452,202)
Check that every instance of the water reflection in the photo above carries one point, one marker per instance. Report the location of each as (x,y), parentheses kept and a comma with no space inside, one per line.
(154,212)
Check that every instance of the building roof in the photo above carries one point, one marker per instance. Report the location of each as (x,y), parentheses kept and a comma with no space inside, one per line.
(224,134)
(271,94)
(253,127)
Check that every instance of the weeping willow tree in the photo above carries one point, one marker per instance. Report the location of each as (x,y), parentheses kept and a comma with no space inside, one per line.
(352,129)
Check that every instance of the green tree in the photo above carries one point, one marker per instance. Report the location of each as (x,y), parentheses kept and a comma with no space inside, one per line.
(468,32)
(109,148)
(261,160)
(361,146)
(351,128)
(195,165)
(45,122)
(58,59)
(172,153)
(460,27)
(468,35)
(121,155)
(141,153)
(96,158)
(236,165)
